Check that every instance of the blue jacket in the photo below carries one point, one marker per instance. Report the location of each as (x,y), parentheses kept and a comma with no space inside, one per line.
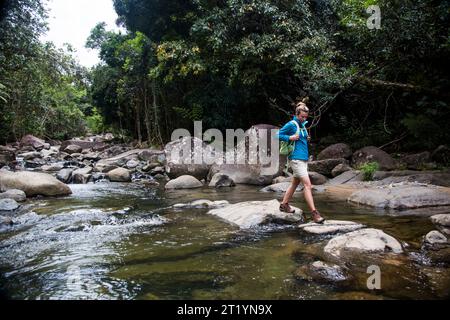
(301,146)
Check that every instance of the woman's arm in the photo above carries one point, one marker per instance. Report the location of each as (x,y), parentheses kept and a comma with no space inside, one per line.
(285,133)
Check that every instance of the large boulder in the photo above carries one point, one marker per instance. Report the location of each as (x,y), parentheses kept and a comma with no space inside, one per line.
(7,155)
(325,167)
(243,174)
(250,214)
(184,182)
(83,144)
(402,196)
(330,227)
(31,141)
(441,155)
(336,151)
(33,183)
(152,156)
(363,241)
(119,175)
(373,154)
(186,156)
(221,181)
(120,160)
(16,195)
(65,175)
(416,161)
(72,148)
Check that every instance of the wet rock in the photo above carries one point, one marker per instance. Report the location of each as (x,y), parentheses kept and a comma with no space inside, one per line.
(184,182)
(253,213)
(152,156)
(435,240)
(52,167)
(157,170)
(6,221)
(8,205)
(346,177)
(48,154)
(325,167)
(321,271)
(441,220)
(82,176)
(119,175)
(281,187)
(150,166)
(83,144)
(221,181)
(72,148)
(65,175)
(117,161)
(336,151)
(330,227)
(340,169)
(33,183)
(30,155)
(317,178)
(17,195)
(132,164)
(373,154)
(34,142)
(202,204)
(364,240)
(92,156)
(401,196)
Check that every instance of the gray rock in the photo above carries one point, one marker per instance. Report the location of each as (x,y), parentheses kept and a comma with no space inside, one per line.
(17,195)
(401,197)
(30,155)
(8,205)
(281,187)
(330,227)
(435,240)
(119,175)
(82,176)
(282,179)
(317,178)
(84,144)
(416,161)
(106,165)
(340,169)
(157,170)
(32,141)
(325,167)
(132,164)
(33,183)
(7,155)
(150,166)
(184,182)
(336,151)
(52,167)
(152,156)
(64,175)
(346,177)
(441,155)
(254,213)
(373,154)
(321,271)
(363,241)
(202,204)
(221,181)
(72,148)
(441,219)
(6,221)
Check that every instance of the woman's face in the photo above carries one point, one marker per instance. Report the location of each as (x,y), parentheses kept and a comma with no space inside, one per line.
(303,116)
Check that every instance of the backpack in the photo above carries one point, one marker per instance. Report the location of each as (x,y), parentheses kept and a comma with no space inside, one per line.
(287,147)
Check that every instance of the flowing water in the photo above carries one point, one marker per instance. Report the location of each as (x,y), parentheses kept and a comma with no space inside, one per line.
(123,241)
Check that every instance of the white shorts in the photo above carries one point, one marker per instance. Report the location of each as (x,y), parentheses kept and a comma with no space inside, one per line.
(299,168)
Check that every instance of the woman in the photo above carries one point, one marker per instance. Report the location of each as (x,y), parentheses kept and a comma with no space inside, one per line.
(295,131)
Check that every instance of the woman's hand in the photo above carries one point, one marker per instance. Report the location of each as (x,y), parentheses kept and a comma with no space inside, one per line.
(295,137)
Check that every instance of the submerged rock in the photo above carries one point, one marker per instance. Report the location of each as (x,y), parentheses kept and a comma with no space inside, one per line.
(202,204)
(321,271)
(253,213)
(33,183)
(331,226)
(402,196)
(365,240)
(17,195)
(8,205)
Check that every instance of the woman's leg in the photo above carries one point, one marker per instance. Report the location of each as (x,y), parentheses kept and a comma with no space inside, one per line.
(308,192)
(290,191)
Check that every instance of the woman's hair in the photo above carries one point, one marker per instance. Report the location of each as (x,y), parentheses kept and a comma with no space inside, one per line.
(301,106)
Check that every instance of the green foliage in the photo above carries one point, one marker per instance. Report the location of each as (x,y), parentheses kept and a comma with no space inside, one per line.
(368,170)
(95,122)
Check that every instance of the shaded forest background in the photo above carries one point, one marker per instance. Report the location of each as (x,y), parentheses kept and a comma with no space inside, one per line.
(233,64)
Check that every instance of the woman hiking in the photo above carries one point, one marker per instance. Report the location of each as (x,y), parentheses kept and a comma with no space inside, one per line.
(295,131)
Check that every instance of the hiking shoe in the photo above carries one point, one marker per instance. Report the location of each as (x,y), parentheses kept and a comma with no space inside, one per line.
(286,208)
(317,218)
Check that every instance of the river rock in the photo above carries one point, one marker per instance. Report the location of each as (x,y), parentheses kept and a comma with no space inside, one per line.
(346,177)
(325,167)
(435,240)
(65,175)
(202,204)
(340,169)
(132,164)
(157,170)
(30,155)
(53,167)
(7,155)
(152,156)
(184,182)
(330,227)
(441,155)
(72,148)
(17,195)
(401,196)
(120,160)
(416,161)
(32,141)
(83,144)
(281,179)
(33,183)
(317,178)
(119,175)
(373,154)
(281,187)
(364,240)
(441,219)
(221,181)
(6,221)
(321,271)
(8,205)
(336,151)
(82,176)
(253,213)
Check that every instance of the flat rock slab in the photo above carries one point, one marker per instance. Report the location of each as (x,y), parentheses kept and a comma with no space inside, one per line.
(250,214)
(365,241)
(281,187)
(402,196)
(330,227)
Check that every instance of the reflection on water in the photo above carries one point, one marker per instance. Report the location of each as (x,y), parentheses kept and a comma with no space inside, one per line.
(123,241)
